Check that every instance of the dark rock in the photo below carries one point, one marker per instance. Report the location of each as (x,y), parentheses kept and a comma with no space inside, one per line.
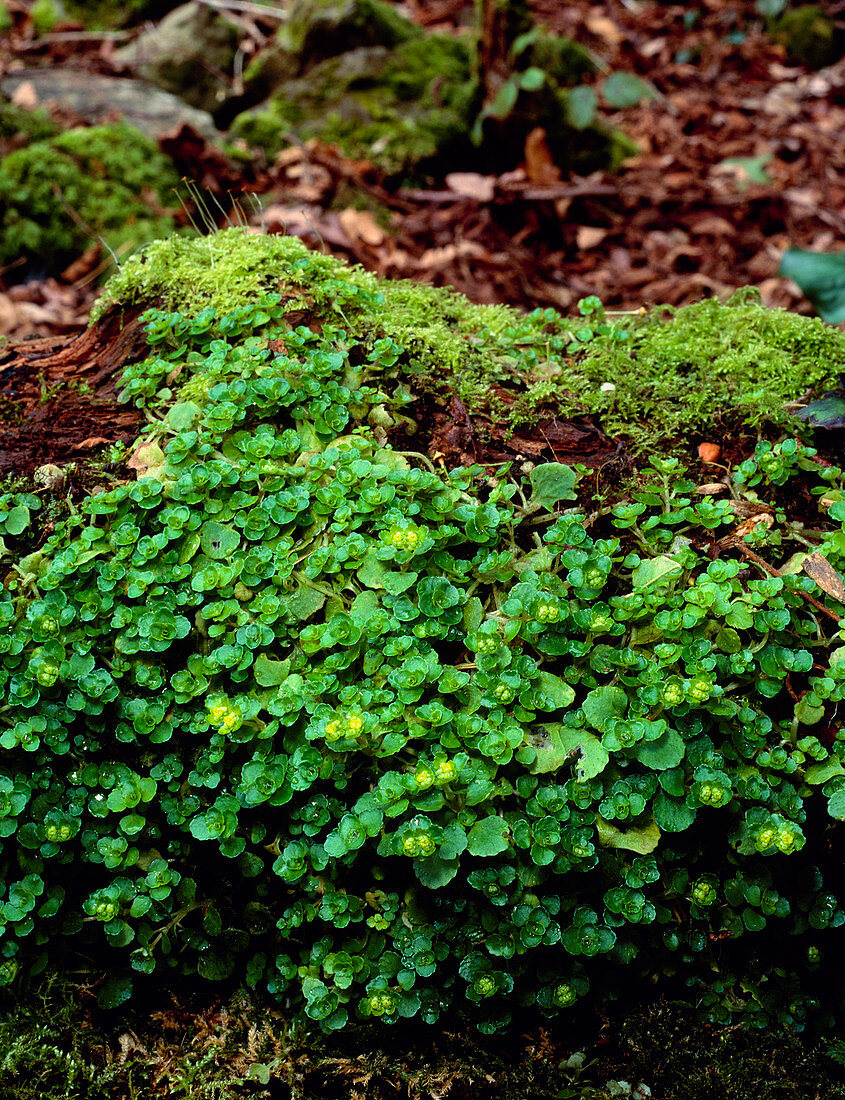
(190,53)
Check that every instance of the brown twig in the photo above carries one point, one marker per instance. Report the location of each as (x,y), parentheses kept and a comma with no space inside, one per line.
(747,552)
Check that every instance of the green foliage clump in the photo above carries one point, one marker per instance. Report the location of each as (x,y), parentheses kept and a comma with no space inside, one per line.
(45,15)
(386,741)
(16,514)
(58,194)
(809,35)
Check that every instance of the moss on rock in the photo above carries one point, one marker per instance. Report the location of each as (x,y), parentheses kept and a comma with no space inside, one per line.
(59,193)
(399,107)
(673,374)
(318,29)
(357,74)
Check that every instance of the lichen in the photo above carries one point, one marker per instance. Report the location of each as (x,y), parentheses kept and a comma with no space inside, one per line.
(676,374)
(105,181)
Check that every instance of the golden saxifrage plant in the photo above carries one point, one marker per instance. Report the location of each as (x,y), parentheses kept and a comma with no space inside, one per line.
(383,740)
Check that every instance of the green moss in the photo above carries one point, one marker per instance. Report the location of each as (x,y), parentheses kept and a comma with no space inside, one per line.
(318,29)
(52,1047)
(15,122)
(106,14)
(227,270)
(58,194)
(809,35)
(689,370)
(400,106)
(6,21)
(677,374)
(664,1045)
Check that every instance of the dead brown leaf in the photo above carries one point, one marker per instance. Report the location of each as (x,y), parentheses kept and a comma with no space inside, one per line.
(438,257)
(91,442)
(589,236)
(361,225)
(822,572)
(472,185)
(603,27)
(25,96)
(711,489)
(539,163)
(82,267)
(147,460)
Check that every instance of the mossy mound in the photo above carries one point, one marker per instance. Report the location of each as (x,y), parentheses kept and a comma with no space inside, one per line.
(298,709)
(399,107)
(656,380)
(809,34)
(59,194)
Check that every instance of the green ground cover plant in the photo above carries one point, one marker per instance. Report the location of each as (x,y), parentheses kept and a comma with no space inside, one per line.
(383,741)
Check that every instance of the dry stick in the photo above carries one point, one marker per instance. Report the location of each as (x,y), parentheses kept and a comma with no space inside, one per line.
(747,552)
(513,194)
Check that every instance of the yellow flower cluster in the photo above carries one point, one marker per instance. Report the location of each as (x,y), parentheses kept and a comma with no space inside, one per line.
(441,772)
(547,613)
(408,537)
(348,725)
(224,717)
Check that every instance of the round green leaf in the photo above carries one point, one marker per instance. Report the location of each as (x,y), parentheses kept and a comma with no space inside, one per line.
(488,837)
(218,541)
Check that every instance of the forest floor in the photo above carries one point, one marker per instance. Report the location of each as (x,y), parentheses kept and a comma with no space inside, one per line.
(741,157)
